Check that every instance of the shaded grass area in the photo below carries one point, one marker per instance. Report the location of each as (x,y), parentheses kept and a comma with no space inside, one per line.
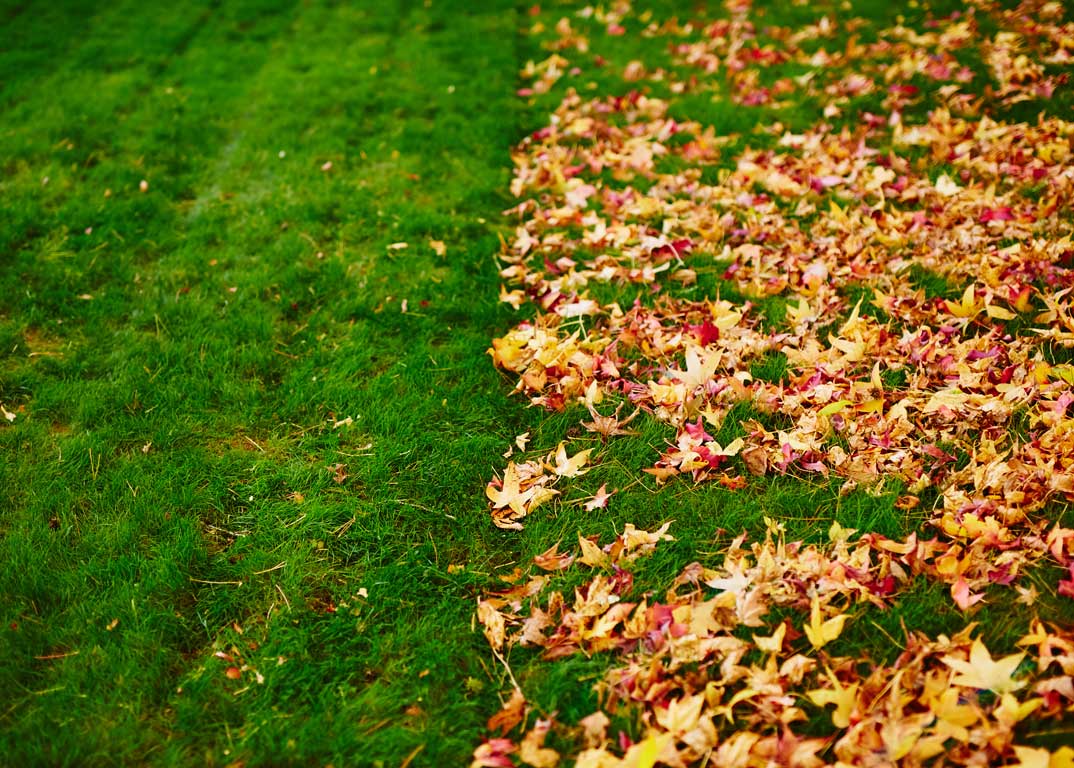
(232,448)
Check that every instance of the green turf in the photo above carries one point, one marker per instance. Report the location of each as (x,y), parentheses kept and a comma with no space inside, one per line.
(231,439)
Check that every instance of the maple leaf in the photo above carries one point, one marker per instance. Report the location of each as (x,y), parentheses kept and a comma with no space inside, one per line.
(595,728)
(946,186)
(735,751)
(844,697)
(493,624)
(635,541)
(901,736)
(701,364)
(512,713)
(953,716)
(681,715)
(960,591)
(553,560)
(494,754)
(533,752)
(1031,757)
(515,298)
(645,754)
(592,555)
(609,426)
(510,493)
(982,672)
(599,500)
(774,642)
(570,466)
(820,631)
(967,307)
(1010,711)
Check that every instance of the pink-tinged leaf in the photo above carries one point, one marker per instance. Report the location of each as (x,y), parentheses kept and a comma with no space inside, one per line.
(494,754)
(1066,586)
(1003,213)
(600,500)
(962,595)
(553,560)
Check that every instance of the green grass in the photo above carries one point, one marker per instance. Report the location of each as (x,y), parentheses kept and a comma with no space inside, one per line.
(229,437)
(240,307)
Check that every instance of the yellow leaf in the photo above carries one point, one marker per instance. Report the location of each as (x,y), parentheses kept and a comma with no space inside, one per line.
(701,364)
(1064,372)
(833,408)
(493,623)
(953,717)
(967,307)
(800,314)
(509,494)
(774,642)
(724,315)
(1010,711)
(743,695)
(843,697)
(819,631)
(952,398)
(1028,757)
(514,298)
(854,350)
(592,555)
(981,672)
(735,751)
(999,313)
(852,322)
(571,466)
(644,754)
(533,752)
(1062,758)
(681,715)
(838,534)
(837,213)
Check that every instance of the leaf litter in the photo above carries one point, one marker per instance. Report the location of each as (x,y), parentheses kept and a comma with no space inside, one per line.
(912,267)
(710,682)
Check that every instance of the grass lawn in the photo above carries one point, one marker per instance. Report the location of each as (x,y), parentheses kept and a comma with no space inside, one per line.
(251,266)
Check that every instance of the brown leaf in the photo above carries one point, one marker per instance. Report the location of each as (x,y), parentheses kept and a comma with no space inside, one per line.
(513,713)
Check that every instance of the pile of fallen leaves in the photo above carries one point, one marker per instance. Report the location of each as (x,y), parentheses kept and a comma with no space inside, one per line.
(911,276)
(711,692)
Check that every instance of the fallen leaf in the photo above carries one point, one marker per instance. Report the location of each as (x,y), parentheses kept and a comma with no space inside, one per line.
(512,713)
(822,631)
(980,671)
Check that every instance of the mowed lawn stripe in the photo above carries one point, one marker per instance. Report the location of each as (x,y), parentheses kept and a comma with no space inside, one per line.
(52,48)
(139,99)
